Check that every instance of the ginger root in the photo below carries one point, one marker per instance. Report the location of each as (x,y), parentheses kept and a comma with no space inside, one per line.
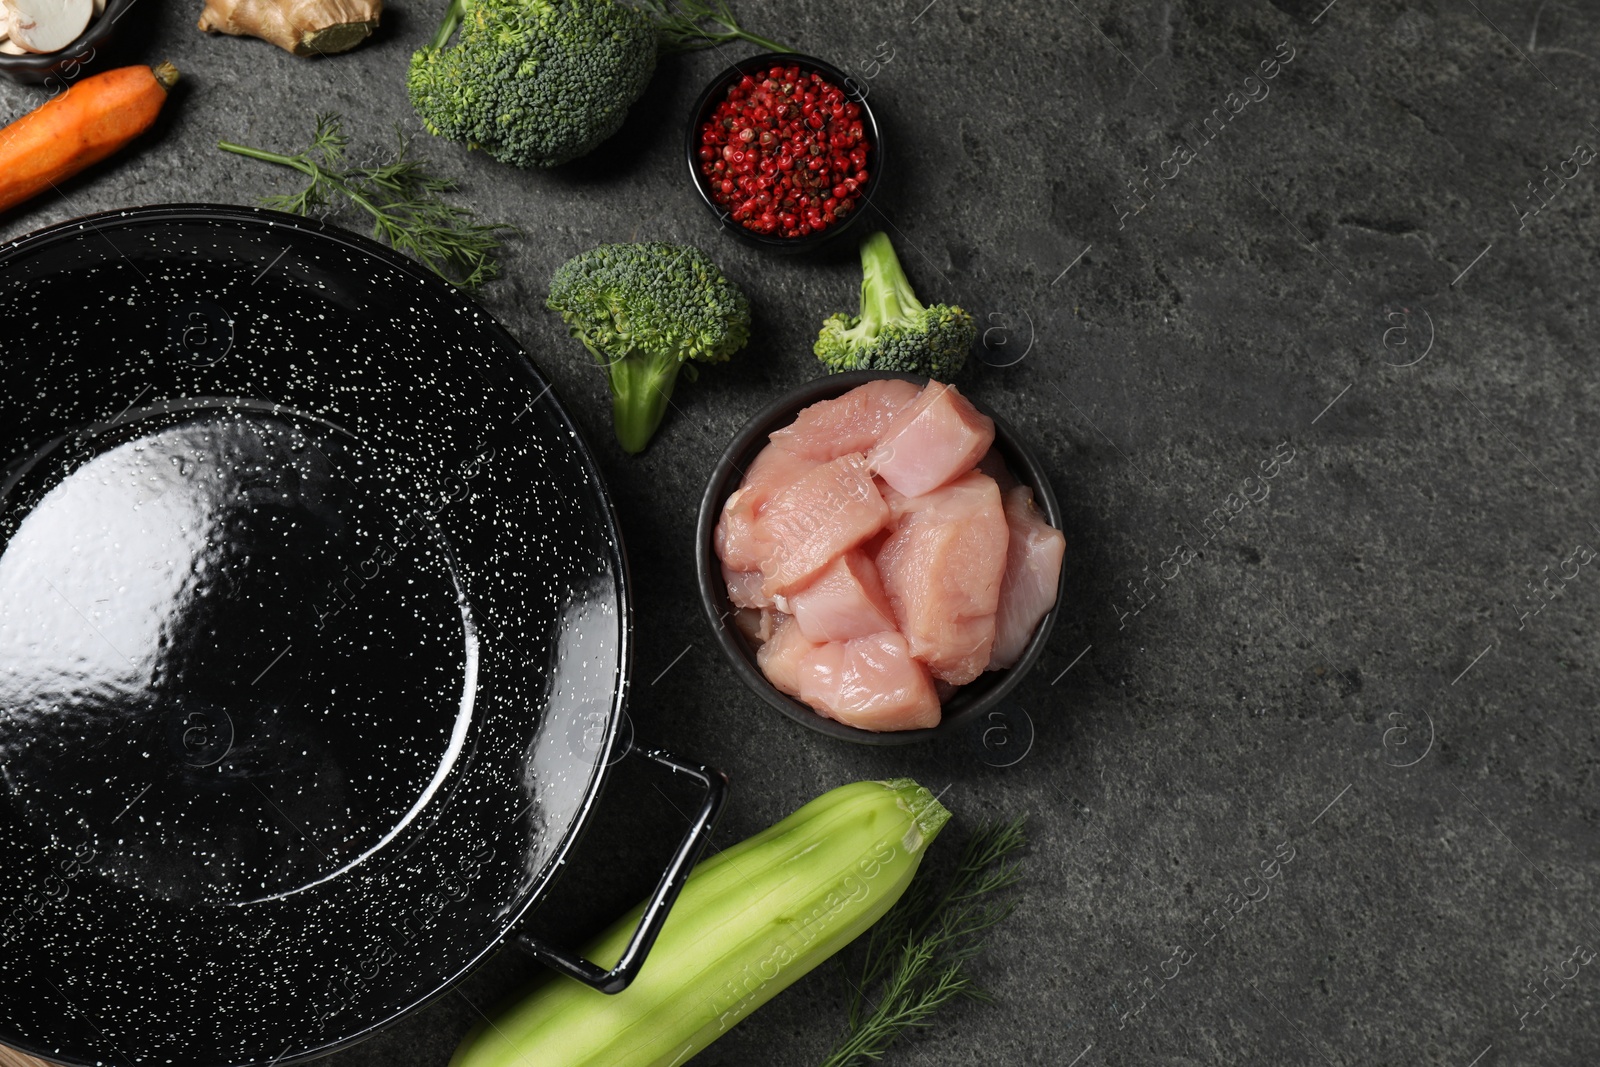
(304,27)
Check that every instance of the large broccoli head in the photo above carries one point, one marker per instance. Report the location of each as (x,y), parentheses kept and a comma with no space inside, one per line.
(894,331)
(534,83)
(645,310)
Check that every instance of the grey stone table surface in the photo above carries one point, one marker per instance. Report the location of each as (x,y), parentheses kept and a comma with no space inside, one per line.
(1307,358)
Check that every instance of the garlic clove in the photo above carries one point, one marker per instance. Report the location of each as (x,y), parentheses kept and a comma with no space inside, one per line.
(48,25)
(11,48)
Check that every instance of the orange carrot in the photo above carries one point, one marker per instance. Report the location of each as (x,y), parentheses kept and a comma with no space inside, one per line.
(79,128)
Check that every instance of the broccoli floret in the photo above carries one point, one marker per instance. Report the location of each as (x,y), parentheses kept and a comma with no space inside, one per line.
(534,83)
(894,332)
(644,310)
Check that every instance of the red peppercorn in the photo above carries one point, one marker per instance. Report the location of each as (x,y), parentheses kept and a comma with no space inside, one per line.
(755,140)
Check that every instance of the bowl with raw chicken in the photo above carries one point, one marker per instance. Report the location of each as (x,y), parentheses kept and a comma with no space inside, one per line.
(880,557)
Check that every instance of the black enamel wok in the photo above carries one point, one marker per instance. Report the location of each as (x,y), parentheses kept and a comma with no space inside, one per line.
(314,641)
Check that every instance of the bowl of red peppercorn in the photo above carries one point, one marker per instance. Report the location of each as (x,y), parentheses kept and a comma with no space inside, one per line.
(784,151)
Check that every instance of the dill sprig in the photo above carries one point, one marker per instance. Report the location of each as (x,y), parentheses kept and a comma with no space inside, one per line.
(406,203)
(679,25)
(917,955)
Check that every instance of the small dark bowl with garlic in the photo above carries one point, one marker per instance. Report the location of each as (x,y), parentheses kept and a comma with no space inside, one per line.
(52,42)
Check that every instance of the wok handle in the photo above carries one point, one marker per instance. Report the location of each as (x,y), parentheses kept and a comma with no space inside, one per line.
(666,893)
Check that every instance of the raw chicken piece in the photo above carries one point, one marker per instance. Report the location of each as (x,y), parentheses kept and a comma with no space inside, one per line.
(779,659)
(829,511)
(773,470)
(956,650)
(871,683)
(849,423)
(744,588)
(937,438)
(942,569)
(846,600)
(1033,577)
(971,494)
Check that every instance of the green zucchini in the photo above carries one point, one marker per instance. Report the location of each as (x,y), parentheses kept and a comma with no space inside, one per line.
(750,922)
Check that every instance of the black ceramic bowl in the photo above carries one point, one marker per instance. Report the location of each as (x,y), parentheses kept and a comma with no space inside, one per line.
(973,699)
(57,70)
(717,91)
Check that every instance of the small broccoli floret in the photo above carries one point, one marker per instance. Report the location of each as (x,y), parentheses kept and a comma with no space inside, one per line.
(894,332)
(644,310)
(534,83)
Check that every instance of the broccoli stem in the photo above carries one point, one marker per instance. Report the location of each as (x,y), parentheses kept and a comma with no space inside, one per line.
(452,19)
(641,389)
(886,293)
